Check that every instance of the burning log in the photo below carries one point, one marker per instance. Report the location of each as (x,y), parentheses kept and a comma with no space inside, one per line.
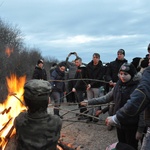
(9,133)
(5,125)
(14,94)
(5,111)
(4,141)
(61,145)
(8,110)
(65,146)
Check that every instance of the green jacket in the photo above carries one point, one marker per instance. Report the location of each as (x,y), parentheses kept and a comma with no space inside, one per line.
(38,131)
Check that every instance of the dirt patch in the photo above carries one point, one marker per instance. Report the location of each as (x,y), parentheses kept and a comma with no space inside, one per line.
(89,136)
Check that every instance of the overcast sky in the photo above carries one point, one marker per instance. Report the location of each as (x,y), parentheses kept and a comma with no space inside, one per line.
(58,27)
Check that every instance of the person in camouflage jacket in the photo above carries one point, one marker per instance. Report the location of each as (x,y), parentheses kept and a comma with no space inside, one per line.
(36,129)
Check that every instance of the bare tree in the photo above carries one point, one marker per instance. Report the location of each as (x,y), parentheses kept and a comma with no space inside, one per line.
(16,58)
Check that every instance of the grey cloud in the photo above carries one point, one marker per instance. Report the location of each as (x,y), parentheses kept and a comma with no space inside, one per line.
(112,24)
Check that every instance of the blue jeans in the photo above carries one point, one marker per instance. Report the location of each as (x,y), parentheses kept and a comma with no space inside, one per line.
(57,97)
(146,141)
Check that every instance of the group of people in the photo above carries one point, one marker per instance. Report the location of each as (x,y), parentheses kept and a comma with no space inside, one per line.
(128,90)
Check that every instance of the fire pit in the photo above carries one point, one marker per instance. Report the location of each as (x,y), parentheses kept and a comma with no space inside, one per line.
(11,145)
(11,107)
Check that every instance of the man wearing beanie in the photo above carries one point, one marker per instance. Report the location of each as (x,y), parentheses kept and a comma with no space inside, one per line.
(114,66)
(39,71)
(35,128)
(130,131)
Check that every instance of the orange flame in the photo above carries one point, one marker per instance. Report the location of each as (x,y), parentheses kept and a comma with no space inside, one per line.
(8,51)
(11,107)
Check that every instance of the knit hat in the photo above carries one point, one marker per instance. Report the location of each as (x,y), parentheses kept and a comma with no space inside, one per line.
(129,68)
(40,61)
(122,51)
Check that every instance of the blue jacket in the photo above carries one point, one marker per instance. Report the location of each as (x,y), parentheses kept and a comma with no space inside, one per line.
(138,102)
(57,86)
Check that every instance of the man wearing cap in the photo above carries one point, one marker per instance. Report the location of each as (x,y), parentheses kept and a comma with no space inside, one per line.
(35,128)
(39,71)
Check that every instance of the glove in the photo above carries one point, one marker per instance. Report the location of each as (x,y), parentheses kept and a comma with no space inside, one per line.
(138,135)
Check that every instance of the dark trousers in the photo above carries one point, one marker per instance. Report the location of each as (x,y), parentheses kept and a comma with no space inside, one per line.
(127,135)
(71,96)
(57,97)
(79,98)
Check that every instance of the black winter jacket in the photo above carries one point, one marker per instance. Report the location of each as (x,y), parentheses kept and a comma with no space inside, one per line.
(119,95)
(95,72)
(80,85)
(113,69)
(39,73)
(57,86)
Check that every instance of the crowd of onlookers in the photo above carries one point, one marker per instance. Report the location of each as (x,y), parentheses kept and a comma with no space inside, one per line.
(126,85)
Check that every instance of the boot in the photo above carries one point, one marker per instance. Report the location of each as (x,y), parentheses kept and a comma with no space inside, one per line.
(82,110)
(56,112)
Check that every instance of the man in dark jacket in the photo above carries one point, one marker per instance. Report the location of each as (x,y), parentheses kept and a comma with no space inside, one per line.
(139,101)
(39,71)
(79,86)
(95,71)
(112,73)
(71,71)
(58,87)
(114,66)
(36,129)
